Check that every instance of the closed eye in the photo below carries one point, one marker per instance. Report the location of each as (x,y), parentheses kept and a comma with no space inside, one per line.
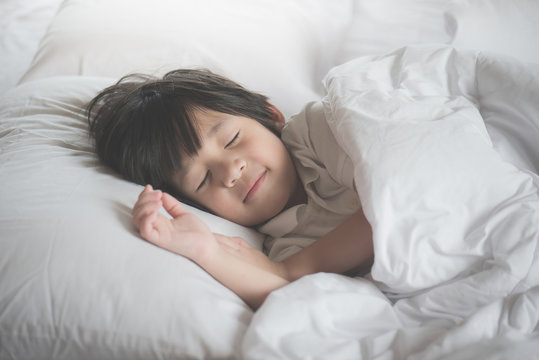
(234,139)
(203,181)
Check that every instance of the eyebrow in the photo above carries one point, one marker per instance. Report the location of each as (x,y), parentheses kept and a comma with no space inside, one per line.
(215,128)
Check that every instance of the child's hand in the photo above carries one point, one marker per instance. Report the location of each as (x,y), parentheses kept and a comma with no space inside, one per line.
(184,234)
(230,260)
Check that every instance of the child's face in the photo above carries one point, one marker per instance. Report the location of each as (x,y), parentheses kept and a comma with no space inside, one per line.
(242,172)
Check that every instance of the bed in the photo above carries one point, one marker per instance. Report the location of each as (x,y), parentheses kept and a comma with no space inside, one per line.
(447,156)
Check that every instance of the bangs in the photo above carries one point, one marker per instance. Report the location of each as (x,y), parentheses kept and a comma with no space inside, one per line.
(144,125)
(171,133)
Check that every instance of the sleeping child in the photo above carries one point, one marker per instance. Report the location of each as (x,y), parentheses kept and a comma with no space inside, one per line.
(207,141)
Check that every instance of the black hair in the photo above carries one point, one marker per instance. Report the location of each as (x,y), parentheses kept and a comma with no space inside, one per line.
(143,124)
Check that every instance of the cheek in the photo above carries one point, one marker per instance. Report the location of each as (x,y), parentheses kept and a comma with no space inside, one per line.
(286,162)
(218,203)
(274,151)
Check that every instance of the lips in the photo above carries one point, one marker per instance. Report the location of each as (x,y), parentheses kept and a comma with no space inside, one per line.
(255,186)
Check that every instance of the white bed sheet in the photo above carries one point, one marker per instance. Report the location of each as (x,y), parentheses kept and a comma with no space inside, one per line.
(75,279)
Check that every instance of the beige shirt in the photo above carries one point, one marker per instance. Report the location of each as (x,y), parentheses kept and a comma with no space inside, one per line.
(327,175)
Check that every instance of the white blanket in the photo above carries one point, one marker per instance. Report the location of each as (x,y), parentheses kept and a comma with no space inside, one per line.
(455,225)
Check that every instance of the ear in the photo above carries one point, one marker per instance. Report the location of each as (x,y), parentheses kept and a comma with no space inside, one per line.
(277,117)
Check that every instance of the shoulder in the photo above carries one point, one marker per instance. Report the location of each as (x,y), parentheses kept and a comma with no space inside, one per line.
(308,134)
(303,129)
(314,148)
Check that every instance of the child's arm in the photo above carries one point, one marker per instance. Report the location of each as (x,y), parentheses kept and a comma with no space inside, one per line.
(344,248)
(241,268)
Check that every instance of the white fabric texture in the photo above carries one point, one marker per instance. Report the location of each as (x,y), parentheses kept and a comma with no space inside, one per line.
(454,225)
(427,175)
(261,44)
(380,26)
(505,27)
(22,24)
(76,280)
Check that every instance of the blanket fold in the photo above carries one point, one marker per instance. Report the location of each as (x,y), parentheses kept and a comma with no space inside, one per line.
(454,213)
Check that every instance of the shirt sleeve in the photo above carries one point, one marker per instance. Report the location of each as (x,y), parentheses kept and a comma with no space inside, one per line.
(320,160)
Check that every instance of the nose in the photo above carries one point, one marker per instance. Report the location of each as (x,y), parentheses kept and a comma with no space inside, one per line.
(232,172)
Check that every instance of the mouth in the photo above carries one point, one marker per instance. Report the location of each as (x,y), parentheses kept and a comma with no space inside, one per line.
(255,186)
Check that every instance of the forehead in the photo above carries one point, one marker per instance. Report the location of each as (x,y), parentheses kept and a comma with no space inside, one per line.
(209,122)
(212,124)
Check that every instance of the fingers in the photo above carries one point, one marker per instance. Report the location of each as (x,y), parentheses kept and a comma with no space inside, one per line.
(170,203)
(146,217)
(147,205)
(150,201)
(173,206)
(147,189)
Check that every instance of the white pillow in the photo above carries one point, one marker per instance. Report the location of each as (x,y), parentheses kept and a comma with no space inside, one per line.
(505,27)
(380,26)
(280,48)
(22,24)
(76,280)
